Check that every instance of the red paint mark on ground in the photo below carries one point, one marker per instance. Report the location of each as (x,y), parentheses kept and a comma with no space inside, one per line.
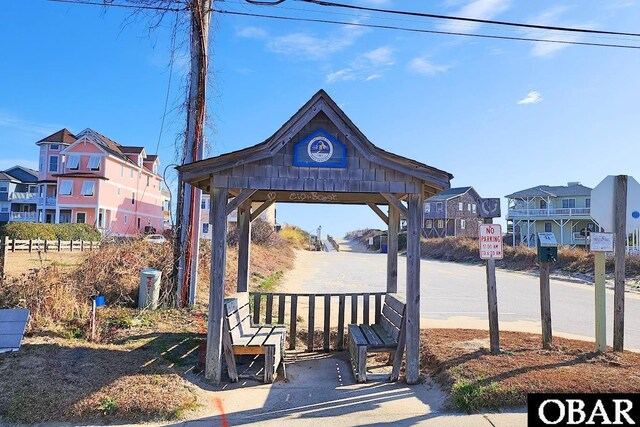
(217,402)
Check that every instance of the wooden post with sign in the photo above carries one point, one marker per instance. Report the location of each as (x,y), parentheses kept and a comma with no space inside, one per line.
(545,306)
(620,221)
(601,243)
(491,249)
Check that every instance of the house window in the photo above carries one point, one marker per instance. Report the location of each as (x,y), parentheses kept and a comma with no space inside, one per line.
(133,197)
(469,207)
(4,208)
(42,160)
(81,218)
(205,228)
(73,162)
(87,188)
(462,224)
(4,187)
(55,146)
(568,203)
(94,163)
(547,227)
(438,207)
(118,191)
(203,204)
(131,173)
(138,223)
(587,203)
(460,206)
(543,204)
(147,180)
(121,171)
(473,208)
(429,223)
(139,161)
(125,219)
(427,207)
(66,188)
(440,223)
(53,163)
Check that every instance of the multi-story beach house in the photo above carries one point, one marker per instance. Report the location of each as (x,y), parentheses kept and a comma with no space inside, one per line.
(453,212)
(18,194)
(89,178)
(562,210)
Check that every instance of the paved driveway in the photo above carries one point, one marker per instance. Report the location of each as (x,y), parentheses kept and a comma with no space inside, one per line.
(454,295)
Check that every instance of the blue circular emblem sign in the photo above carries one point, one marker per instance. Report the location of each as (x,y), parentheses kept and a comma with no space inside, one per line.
(635,214)
(320,149)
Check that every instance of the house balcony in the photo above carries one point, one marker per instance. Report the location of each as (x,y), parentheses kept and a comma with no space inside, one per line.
(23,197)
(549,213)
(46,201)
(23,216)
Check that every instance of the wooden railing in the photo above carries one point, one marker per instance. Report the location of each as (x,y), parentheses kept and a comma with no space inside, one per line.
(333,242)
(264,304)
(13,245)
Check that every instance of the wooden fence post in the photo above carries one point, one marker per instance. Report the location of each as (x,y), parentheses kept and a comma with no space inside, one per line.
(13,245)
(59,244)
(3,254)
(545,305)
(30,245)
(620,224)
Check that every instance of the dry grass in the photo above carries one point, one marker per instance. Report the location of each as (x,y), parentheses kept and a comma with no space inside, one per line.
(19,263)
(460,361)
(73,381)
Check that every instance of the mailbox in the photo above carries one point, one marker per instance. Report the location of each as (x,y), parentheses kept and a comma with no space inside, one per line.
(547,247)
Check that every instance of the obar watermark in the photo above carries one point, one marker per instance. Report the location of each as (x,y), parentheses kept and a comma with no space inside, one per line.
(613,409)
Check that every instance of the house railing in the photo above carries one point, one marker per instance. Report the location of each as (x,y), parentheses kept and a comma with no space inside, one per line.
(284,308)
(47,201)
(23,197)
(549,212)
(23,216)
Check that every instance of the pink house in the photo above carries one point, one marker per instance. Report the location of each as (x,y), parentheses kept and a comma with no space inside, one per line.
(89,178)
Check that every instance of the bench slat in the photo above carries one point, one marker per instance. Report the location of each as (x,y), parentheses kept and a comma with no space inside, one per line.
(389,327)
(384,336)
(393,316)
(395,301)
(260,336)
(370,335)
(356,334)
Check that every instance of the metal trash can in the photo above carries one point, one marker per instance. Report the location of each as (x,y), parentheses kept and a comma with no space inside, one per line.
(149,291)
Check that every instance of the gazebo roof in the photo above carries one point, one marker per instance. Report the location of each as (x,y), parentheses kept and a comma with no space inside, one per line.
(268,165)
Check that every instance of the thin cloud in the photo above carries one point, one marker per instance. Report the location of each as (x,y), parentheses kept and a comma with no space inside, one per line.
(424,67)
(13,123)
(251,33)
(479,9)
(553,16)
(532,97)
(365,67)
(311,47)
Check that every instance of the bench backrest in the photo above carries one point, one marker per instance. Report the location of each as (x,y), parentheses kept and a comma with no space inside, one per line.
(392,317)
(237,315)
(12,325)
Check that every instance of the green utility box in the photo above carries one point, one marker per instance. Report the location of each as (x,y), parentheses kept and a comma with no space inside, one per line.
(547,247)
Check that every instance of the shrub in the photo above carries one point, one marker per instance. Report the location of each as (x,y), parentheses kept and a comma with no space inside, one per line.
(32,230)
(295,235)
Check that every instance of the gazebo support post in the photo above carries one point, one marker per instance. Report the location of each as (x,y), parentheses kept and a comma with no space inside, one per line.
(218,218)
(392,252)
(412,317)
(244,245)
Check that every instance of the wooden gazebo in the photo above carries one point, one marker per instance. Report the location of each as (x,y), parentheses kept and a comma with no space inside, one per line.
(317,156)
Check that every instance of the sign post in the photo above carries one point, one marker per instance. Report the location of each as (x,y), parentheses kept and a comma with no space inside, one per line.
(601,243)
(490,240)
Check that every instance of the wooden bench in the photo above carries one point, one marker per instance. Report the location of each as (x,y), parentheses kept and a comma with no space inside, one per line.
(387,335)
(12,325)
(241,337)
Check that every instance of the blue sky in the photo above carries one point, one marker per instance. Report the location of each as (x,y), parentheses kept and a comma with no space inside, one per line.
(499,115)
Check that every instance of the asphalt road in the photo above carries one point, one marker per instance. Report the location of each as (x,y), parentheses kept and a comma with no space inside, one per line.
(454,295)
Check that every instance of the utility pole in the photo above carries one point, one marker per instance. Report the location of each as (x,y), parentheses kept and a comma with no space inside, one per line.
(187,242)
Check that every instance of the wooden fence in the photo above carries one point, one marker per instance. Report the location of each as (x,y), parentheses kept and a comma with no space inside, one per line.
(14,245)
(270,308)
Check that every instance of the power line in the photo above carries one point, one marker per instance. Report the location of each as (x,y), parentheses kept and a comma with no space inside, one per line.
(419,30)
(124,6)
(475,20)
